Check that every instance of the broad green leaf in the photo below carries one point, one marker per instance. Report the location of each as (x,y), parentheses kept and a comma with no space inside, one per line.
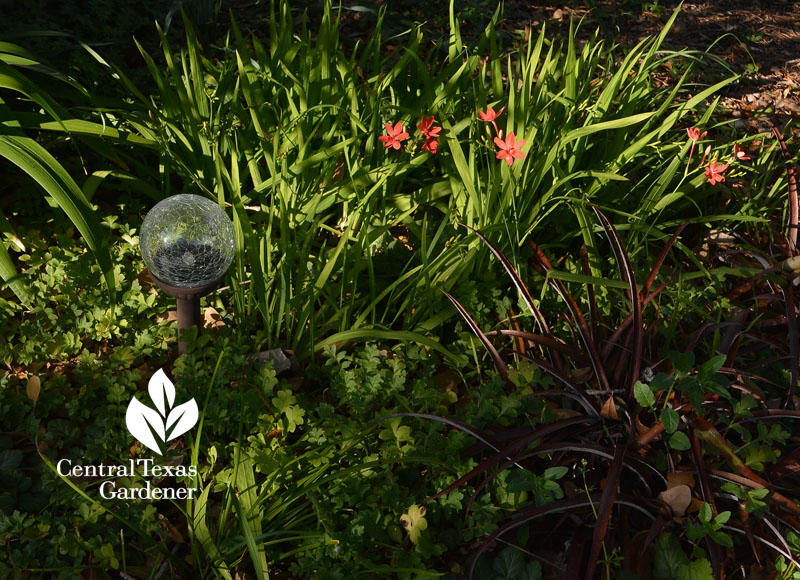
(375,334)
(509,563)
(606,126)
(10,459)
(671,419)
(583,279)
(679,441)
(198,528)
(249,514)
(668,557)
(710,367)
(683,362)
(555,472)
(644,395)
(697,570)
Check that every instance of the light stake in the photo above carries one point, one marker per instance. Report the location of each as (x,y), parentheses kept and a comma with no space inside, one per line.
(187,243)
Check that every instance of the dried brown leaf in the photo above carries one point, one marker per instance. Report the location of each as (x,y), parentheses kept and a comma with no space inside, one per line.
(212,318)
(33,388)
(609,409)
(680,478)
(678,498)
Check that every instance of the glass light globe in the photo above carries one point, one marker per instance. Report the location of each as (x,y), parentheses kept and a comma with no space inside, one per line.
(187,241)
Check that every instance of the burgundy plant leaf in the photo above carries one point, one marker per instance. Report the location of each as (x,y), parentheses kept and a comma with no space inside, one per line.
(714,550)
(730,336)
(787,551)
(708,433)
(583,328)
(574,396)
(506,452)
(584,448)
(660,260)
(576,555)
(773,414)
(604,511)
(631,460)
(648,436)
(628,275)
(594,317)
(476,433)
(546,341)
(794,341)
(612,340)
(498,360)
(521,288)
(784,551)
(588,403)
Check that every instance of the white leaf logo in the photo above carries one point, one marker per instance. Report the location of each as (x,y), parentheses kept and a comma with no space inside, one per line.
(184,417)
(150,426)
(159,388)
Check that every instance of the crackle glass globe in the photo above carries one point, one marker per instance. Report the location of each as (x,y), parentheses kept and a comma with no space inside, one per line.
(187,241)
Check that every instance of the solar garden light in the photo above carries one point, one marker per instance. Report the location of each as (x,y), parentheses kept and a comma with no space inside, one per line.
(187,243)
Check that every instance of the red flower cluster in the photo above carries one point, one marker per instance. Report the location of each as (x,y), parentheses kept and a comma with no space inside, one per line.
(430,133)
(508,149)
(395,135)
(713,171)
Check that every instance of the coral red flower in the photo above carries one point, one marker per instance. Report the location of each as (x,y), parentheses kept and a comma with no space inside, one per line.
(695,135)
(509,149)
(395,135)
(431,145)
(740,153)
(426,128)
(489,116)
(714,172)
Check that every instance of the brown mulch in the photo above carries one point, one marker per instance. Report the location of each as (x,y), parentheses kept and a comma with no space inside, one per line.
(761,39)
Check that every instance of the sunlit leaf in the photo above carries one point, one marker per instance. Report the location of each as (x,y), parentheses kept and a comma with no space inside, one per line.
(414,522)
(644,395)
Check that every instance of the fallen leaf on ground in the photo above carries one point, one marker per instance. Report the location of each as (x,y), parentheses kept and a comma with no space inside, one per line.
(677,498)
(609,410)
(212,318)
(33,388)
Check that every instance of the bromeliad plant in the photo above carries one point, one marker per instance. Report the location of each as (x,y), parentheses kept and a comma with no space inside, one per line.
(619,417)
